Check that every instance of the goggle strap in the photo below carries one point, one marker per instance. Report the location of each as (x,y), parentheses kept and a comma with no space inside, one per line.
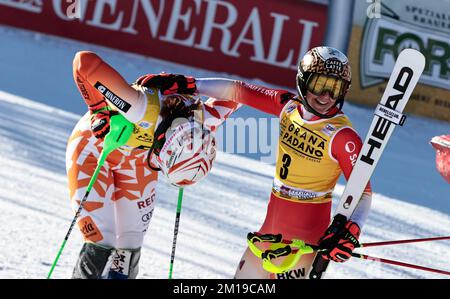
(150,153)
(294,250)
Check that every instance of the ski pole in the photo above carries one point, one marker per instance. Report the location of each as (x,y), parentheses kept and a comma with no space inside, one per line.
(175,230)
(403,241)
(278,239)
(290,250)
(397,263)
(120,131)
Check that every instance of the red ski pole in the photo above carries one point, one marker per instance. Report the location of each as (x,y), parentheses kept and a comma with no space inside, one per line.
(397,263)
(402,241)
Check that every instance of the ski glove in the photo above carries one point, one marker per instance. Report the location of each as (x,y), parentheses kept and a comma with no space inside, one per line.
(340,239)
(169,83)
(100,122)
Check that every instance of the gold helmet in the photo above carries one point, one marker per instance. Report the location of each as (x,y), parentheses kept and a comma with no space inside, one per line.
(324,69)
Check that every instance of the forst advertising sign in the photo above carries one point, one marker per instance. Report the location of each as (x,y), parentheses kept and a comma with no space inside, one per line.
(392,36)
(377,41)
(253,39)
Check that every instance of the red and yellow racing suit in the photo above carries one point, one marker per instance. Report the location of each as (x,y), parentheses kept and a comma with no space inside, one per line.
(311,155)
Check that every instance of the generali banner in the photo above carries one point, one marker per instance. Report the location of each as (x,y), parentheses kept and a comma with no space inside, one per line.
(381,30)
(259,39)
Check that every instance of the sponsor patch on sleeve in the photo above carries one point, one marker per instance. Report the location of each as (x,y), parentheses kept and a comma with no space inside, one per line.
(112,97)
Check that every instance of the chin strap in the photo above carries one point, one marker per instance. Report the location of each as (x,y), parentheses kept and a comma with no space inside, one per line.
(335,108)
(160,137)
(160,133)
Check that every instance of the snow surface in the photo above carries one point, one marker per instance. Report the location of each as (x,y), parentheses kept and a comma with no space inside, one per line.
(39,105)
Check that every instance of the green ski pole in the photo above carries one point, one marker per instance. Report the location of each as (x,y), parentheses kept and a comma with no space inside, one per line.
(120,131)
(175,231)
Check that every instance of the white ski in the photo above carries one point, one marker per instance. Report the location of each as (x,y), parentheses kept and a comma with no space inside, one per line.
(407,70)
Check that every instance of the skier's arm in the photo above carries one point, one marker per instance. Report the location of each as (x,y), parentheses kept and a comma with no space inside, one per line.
(92,74)
(345,148)
(215,112)
(264,99)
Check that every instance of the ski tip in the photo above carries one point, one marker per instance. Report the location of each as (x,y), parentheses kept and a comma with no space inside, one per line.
(414,57)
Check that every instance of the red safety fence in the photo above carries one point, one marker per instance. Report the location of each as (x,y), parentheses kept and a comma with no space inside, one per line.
(253,39)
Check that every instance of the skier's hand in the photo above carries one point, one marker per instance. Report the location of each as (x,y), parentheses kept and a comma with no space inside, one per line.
(339,240)
(169,83)
(100,122)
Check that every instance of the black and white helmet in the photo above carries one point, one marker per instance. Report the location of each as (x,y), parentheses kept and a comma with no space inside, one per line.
(326,62)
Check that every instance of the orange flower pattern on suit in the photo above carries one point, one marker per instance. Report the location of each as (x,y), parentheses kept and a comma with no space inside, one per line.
(123,181)
(131,177)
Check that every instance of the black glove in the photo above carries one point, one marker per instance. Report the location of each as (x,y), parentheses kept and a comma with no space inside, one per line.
(169,83)
(100,122)
(340,239)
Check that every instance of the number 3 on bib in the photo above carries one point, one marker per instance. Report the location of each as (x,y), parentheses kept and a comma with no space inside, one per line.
(284,168)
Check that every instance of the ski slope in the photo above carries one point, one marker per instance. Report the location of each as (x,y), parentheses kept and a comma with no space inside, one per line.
(39,105)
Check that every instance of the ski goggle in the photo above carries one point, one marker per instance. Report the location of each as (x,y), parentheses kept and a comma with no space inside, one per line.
(319,84)
(293,250)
